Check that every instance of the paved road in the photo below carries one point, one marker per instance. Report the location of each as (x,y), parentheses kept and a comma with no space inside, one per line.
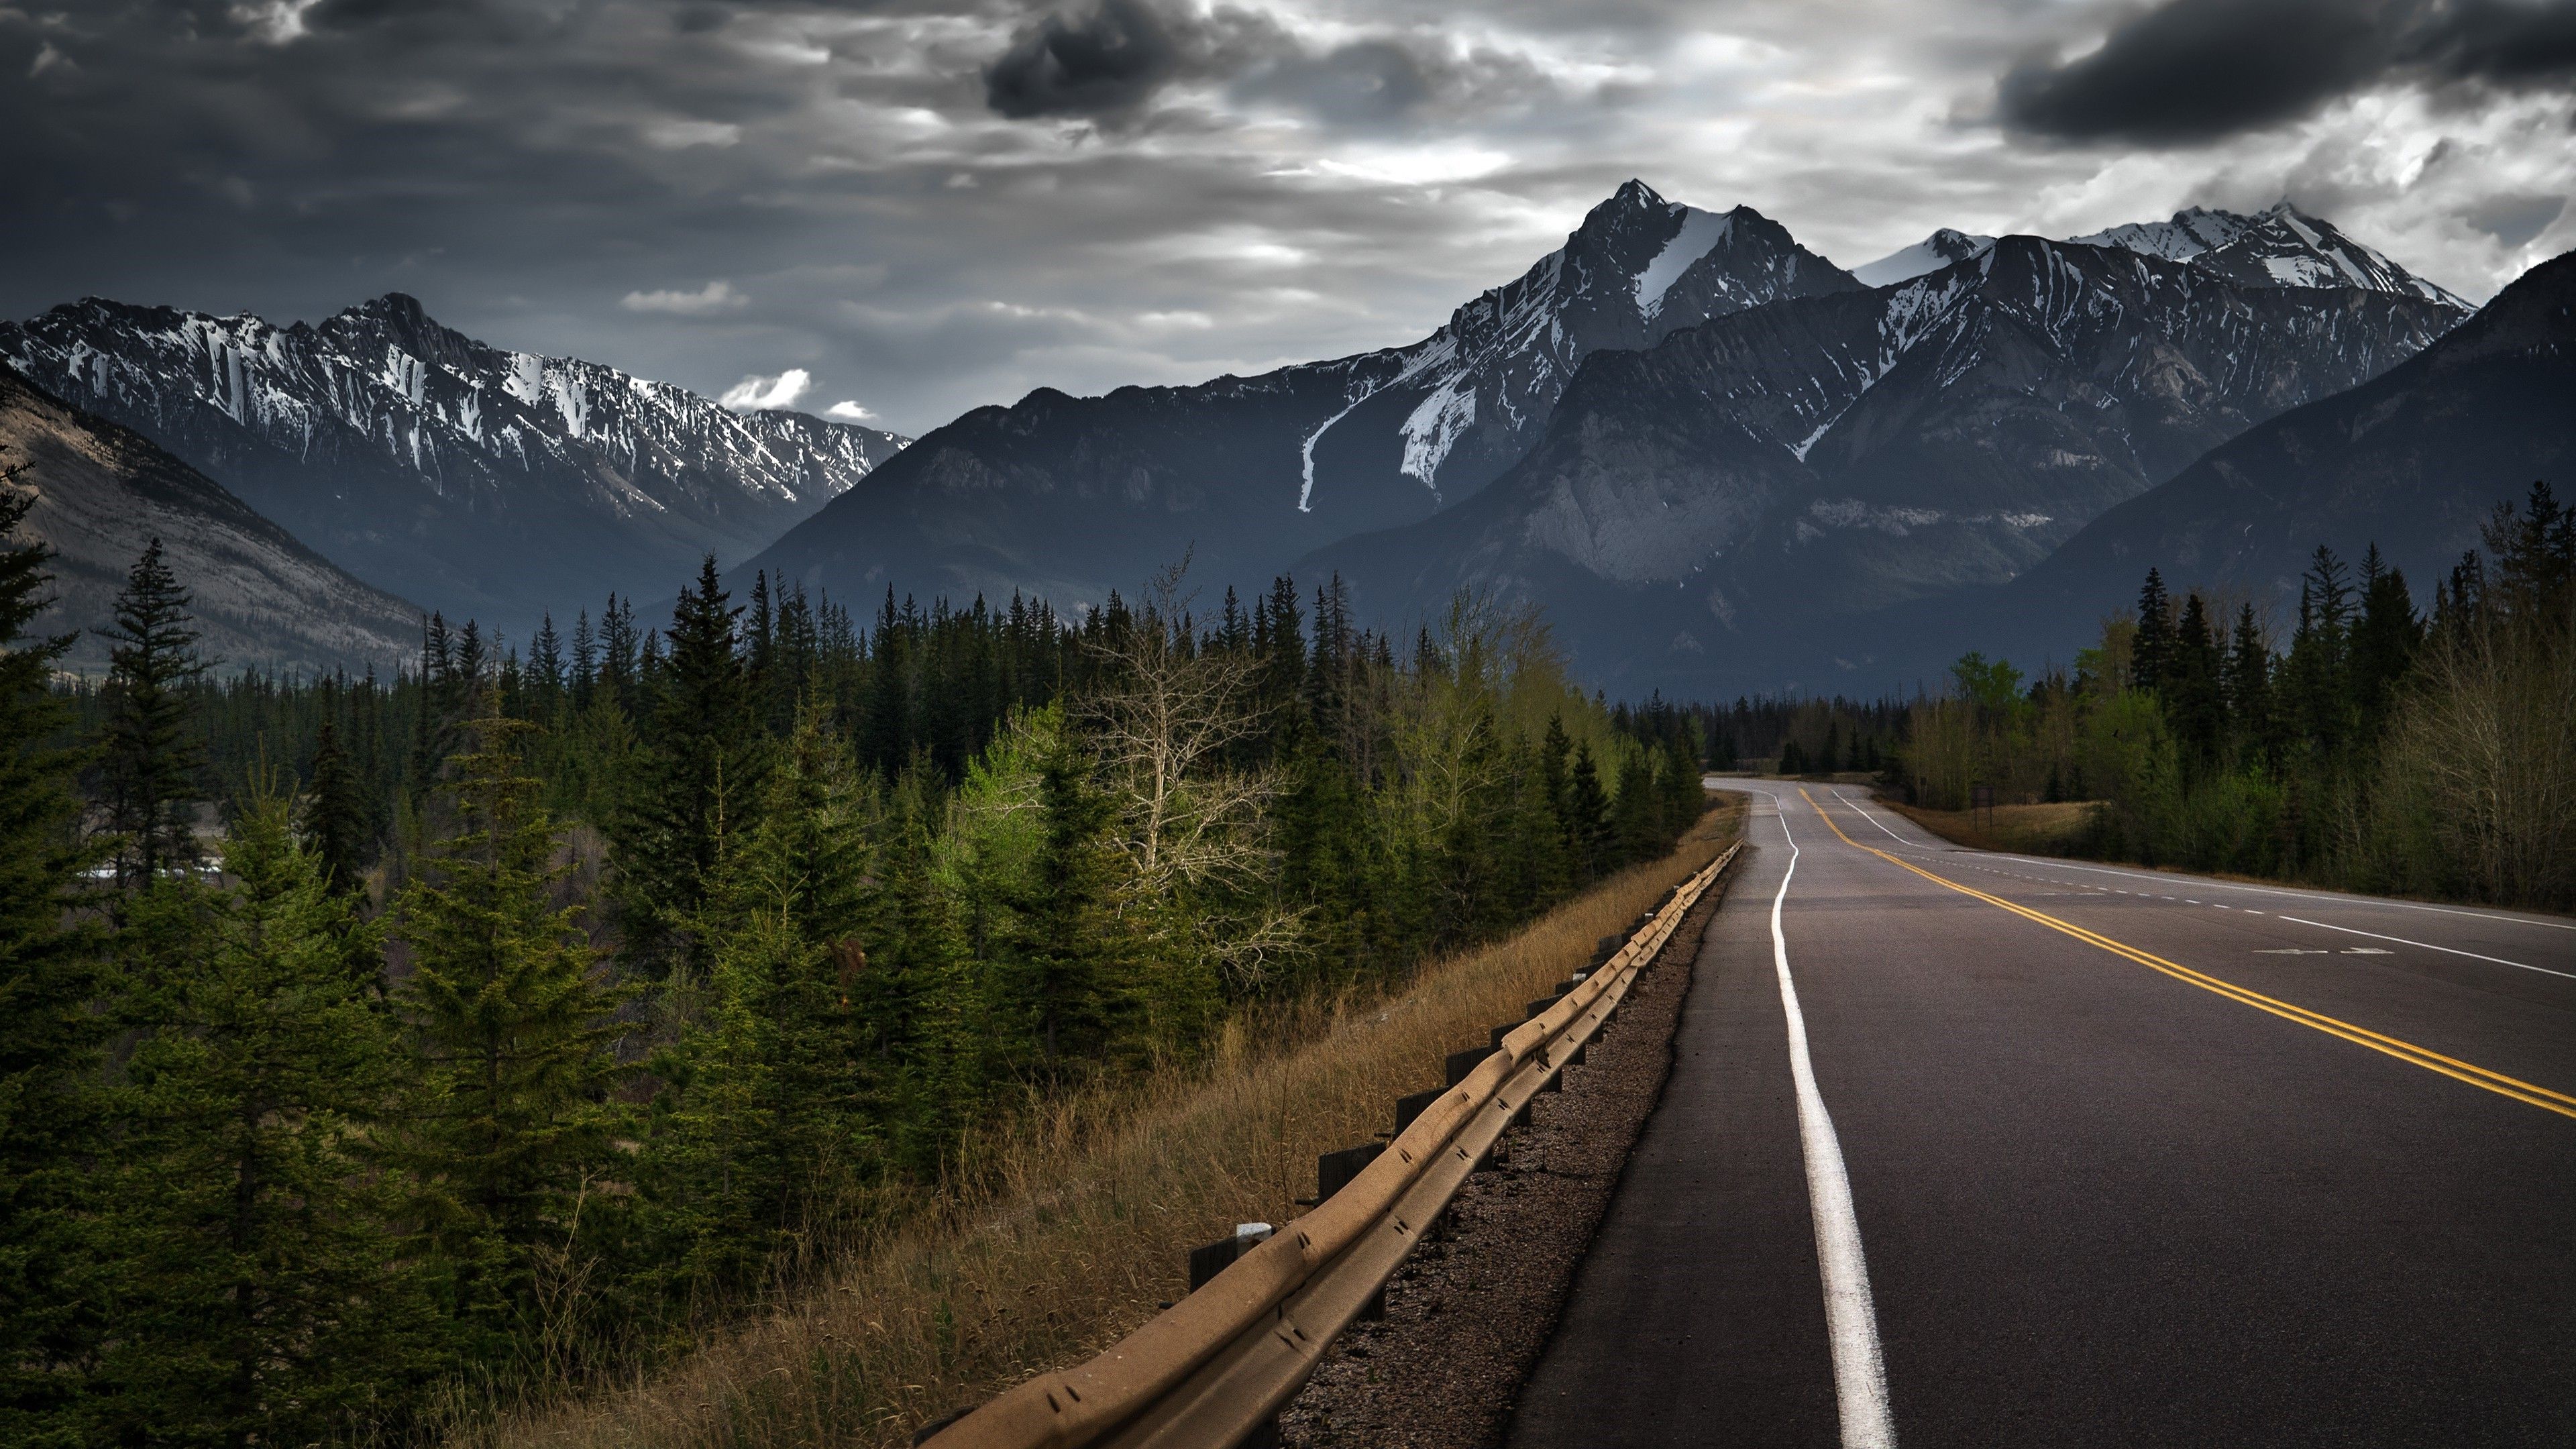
(2092,1157)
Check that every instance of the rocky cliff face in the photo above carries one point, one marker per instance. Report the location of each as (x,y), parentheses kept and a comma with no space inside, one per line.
(475,480)
(1075,496)
(2411,461)
(262,599)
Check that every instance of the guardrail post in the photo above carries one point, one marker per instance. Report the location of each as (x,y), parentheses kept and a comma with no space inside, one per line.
(1459,1064)
(1414,1104)
(1214,1258)
(1333,1172)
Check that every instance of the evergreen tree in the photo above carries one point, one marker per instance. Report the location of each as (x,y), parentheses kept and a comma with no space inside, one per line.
(705,756)
(253,1301)
(2384,640)
(1637,826)
(514,1033)
(335,816)
(765,1127)
(2151,648)
(1684,798)
(1069,936)
(151,756)
(1587,817)
(2191,684)
(2316,677)
(52,1037)
(2248,690)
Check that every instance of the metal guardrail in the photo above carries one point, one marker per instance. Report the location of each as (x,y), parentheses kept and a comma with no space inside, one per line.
(1215,1367)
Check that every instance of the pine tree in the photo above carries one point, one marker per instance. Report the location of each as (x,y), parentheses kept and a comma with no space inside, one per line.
(2384,640)
(1685,800)
(1068,940)
(254,1300)
(51,1036)
(2151,648)
(766,1127)
(2248,691)
(1637,825)
(1587,817)
(705,758)
(150,754)
(513,1028)
(2191,684)
(335,816)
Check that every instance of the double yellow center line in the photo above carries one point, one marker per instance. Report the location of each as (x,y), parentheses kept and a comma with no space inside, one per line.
(2431,1061)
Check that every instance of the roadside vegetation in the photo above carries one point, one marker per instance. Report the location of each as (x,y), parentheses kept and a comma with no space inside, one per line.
(2378,747)
(1067,1227)
(383,1060)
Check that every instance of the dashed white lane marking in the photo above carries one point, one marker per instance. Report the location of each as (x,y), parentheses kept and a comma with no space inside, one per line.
(1851,1319)
(2320,898)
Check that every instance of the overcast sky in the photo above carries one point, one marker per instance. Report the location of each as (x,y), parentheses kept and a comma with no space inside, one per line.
(925,207)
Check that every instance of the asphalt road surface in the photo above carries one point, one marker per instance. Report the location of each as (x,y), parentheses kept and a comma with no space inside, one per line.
(2086,1156)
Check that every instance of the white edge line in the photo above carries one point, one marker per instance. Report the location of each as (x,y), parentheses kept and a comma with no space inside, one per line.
(1851,1319)
(2429,946)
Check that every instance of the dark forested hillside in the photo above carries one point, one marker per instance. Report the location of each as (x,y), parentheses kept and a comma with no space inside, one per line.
(517,1016)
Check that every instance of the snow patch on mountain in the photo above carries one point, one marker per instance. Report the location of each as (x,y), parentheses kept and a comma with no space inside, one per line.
(2186,235)
(1942,248)
(1434,427)
(1699,234)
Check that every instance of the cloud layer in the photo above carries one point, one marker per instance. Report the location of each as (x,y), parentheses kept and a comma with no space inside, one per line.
(936,204)
(2192,71)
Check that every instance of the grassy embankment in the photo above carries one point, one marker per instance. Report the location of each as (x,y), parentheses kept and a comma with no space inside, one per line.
(1087,1211)
(2020,829)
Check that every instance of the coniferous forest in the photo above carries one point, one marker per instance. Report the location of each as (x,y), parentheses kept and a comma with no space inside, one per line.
(518,1018)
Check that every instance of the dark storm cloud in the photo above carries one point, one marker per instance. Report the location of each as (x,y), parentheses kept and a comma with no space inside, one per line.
(2195,71)
(1109,63)
(1105,63)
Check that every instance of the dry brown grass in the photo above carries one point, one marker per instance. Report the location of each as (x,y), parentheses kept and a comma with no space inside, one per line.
(2022,829)
(1092,1207)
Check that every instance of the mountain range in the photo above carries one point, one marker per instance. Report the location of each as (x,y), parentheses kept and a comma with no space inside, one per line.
(1689,439)
(103,492)
(1715,460)
(1723,498)
(473,480)
(1072,497)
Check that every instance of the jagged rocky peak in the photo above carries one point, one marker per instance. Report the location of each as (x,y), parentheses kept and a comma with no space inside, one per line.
(2280,246)
(1942,248)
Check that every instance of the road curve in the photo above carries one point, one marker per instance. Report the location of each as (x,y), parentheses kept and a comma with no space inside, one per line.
(2131,1158)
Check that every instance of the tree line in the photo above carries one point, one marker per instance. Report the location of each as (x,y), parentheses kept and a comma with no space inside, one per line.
(2380,747)
(371,1046)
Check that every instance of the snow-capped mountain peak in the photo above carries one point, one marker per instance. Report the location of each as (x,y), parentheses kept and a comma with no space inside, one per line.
(1942,248)
(2186,235)
(2280,246)
(1638,268)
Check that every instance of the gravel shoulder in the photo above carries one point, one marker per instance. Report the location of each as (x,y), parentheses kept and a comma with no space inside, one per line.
(1468,1314)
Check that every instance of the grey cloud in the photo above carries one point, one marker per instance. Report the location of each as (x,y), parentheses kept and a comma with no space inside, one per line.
(2194,71)
(2515,220)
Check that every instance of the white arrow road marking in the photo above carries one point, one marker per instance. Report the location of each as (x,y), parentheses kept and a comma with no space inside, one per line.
(2429,946)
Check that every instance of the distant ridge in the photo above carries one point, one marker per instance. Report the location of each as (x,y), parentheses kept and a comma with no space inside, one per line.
(263,600)
(478,481)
